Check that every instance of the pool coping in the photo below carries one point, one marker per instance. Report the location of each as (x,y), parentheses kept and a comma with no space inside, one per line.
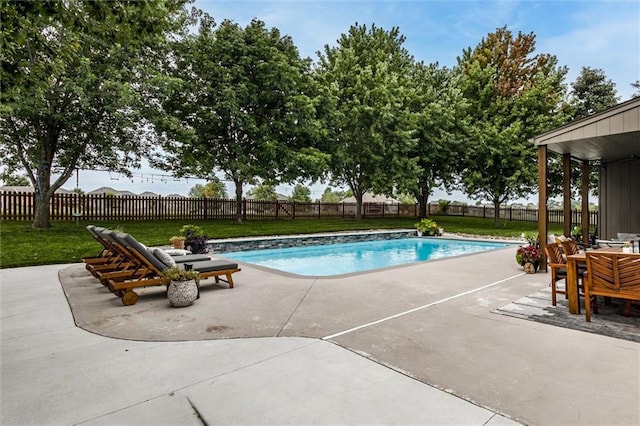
(220,246)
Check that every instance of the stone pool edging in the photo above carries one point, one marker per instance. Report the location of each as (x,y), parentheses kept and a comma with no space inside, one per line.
(301,240)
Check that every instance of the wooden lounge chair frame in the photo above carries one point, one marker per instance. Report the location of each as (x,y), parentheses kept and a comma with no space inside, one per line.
(120,263)
(150,269)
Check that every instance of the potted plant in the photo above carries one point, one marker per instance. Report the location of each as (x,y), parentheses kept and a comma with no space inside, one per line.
(528,257)
(183,285)
(177,242)
(426,227)
(576,233)
(195,238)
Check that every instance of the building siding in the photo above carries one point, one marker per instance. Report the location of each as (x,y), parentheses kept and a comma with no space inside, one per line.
(620,198)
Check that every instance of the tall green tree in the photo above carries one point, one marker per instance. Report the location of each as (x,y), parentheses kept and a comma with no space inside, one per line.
(367,119)
(300,194)
(243,107)
(592,92)
(440,125)
(513,94)
(263,192)
(214,189)
(331,196)
(75,79)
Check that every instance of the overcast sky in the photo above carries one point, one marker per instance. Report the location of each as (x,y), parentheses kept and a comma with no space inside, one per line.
(597,34)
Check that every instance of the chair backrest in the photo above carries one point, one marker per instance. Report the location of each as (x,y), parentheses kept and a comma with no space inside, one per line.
(614,271)
(554,254)
(140,251)
(570,247)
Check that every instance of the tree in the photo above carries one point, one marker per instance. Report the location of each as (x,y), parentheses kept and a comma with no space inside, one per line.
(300,194)
(75,76)
(636,85)
(11,180)
(440,121)
(404,198)
(513,95)
(263,192)
(592,92)
(367,121)
(243,106)
(331,196)
(214,189)
(328,196)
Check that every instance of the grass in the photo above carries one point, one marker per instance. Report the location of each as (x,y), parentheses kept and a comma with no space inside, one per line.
(68,242)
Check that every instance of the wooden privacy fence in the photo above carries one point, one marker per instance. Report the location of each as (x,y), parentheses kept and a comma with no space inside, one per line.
(98,207)
(515,213)
(101,207)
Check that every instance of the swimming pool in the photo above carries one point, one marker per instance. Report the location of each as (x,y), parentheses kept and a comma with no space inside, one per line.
(336,259)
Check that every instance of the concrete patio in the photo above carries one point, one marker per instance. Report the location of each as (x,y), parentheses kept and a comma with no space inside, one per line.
(416,344)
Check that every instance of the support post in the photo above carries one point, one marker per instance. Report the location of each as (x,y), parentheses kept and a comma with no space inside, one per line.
(542,203)
(566,194)
(584,192)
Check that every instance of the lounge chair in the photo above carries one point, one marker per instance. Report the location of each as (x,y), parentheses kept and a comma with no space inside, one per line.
(150,267)
(119,261)
(105,255)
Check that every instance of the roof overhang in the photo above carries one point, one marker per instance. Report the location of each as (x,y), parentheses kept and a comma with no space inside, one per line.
(610,135)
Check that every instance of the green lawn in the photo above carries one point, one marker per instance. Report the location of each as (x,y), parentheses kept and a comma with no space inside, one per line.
(66,242)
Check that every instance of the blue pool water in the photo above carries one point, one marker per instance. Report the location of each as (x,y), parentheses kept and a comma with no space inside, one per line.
(335,259)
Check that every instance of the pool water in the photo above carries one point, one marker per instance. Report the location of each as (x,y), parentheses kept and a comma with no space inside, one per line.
(336,259)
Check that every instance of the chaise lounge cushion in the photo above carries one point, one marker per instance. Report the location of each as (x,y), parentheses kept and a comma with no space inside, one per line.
(212,265)
(164,257)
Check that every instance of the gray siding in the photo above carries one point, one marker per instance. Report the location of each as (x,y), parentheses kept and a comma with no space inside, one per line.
(619,198)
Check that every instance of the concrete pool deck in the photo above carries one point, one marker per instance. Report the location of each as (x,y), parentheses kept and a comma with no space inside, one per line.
(407,345)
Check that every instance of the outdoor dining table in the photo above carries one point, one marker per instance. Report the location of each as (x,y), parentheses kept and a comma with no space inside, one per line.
(572,275)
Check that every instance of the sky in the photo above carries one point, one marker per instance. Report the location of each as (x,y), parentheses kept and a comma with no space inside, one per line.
(597,34)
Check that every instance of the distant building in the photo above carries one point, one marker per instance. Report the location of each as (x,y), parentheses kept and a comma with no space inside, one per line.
(368,197)
(17,189)
(280,197)
(108,190)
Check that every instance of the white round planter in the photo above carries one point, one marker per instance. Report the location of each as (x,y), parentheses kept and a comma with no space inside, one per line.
(182,293)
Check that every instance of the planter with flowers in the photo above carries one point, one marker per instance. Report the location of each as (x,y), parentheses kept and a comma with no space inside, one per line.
(195,239)
(529,258)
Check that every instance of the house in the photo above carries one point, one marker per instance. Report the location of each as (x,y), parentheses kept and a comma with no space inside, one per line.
(369,197)
(108,190)
(17,189)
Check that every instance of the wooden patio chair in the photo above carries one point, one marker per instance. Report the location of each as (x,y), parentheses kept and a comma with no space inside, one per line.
(615,275)
(558,265)
(558,269)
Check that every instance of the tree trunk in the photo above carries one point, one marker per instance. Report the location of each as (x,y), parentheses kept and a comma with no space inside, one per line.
(41,218)
(42,196)
(423,198)
(238,184)
(358,197)
(496,214)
